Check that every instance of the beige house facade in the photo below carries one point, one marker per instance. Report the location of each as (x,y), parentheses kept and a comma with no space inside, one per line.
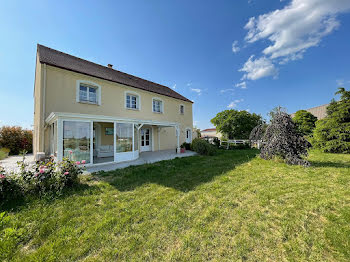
(90,112)
(319,111)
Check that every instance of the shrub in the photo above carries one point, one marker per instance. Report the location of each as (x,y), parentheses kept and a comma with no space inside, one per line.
(45,178)
(185,145)
(16,139)
(202,147)
(9,188)
(3,155)
(332,134)
(282,139)
(258,132)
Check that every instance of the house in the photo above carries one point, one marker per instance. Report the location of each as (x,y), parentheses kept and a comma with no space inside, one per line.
(319,111)
(98,114)
(210,133)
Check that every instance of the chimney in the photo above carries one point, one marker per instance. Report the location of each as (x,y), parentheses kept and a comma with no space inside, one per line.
(110,66)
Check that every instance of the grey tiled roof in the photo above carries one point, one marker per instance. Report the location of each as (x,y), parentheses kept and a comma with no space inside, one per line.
(62,60)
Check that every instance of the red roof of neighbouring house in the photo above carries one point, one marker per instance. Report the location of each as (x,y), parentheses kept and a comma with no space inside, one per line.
(209,130)
(62,60)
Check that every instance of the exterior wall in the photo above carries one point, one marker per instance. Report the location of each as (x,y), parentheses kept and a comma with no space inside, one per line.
(38,144)
(60,96)
(319,111)
(106,139)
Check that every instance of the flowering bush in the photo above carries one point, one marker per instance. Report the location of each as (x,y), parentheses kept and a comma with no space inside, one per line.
(48,177)
(8,187)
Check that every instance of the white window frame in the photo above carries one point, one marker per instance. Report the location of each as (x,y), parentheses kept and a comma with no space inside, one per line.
(89,84)
(138,100)
(162,105)
(182,105)
(191,133)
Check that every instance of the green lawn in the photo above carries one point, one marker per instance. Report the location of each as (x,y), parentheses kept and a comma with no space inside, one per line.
(233,206)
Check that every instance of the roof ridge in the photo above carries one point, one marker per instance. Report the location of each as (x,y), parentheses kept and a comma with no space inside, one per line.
(105,67)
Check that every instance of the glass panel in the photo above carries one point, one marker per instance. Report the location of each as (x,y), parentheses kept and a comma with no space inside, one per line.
(157,106)
(92,95)
(124,137)
(128,101)
(76,140)
(83,93)
(133,102)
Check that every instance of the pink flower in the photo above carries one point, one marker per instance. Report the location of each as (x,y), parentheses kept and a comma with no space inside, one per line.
(83,162)
(66,173)
(2,176)
(42,171)
(70,152)
(78,162)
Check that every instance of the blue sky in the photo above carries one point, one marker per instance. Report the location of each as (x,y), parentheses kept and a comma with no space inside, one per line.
(246,54)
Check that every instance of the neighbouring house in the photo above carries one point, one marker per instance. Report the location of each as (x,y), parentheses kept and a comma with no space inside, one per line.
(319,111)
(210,133)
(98,114)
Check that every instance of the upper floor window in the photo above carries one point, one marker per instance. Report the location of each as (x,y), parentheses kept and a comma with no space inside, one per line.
(182,109)
(132,101)
(157,105)
(88,92)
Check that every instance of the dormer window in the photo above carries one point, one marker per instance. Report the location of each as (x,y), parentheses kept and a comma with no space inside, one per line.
(182,109)
(132,100)
(88,92)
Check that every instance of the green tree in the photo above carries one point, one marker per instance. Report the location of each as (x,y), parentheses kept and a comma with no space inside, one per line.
(305,122)
(332,134)
(236,124)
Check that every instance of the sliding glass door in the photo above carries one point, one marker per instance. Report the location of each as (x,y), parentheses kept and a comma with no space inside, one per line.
(76,140)
(97,142)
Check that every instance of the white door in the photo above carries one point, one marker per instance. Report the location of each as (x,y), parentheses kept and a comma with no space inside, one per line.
(188,135)
(145,139)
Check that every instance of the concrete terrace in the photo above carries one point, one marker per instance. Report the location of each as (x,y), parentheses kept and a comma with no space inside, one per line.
(145,158)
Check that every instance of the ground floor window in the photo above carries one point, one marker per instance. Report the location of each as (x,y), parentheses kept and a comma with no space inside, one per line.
(124,137)
(76,140)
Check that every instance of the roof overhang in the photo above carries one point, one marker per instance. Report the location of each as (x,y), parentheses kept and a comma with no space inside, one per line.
(54,116)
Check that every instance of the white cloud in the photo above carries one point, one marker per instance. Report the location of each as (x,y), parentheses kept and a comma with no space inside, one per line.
(297,27)
(301,24)
(189,84)
(235,47)
(242,85)
(258,68)
(173,87)
(340,82)
(222,91)
(234,104)
(197,90)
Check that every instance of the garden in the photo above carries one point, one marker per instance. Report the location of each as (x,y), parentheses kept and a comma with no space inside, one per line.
(285,202)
